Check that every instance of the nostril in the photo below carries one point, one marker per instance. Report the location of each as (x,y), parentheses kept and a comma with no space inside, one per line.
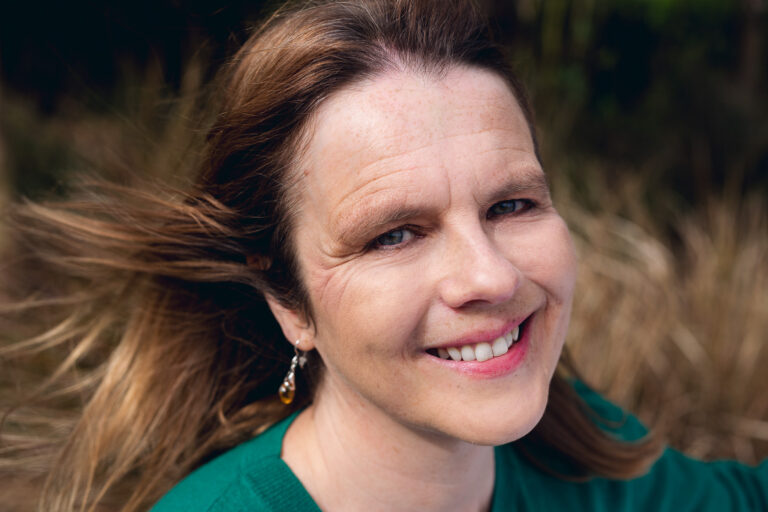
(481,289)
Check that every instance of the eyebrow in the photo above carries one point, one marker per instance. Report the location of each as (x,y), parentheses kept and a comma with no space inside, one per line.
(527,181)
(371,219)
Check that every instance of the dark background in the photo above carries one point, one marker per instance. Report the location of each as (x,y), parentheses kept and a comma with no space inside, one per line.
(675,89)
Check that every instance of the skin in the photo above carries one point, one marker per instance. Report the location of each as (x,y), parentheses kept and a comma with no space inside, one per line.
(445,168)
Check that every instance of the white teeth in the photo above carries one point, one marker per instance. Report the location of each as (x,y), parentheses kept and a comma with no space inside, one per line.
(455,353)
(467,353)
(499,346)
(483,352)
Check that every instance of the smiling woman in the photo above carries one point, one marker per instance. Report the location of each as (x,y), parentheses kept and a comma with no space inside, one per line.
(371,203)
(437,257)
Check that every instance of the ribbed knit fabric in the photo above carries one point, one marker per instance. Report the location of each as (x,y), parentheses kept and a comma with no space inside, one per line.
(252,477)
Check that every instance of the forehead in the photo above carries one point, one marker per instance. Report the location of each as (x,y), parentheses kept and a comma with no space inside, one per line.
(384,112)
(376,133)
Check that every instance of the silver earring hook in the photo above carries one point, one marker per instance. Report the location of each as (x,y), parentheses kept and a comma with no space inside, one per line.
(300,356)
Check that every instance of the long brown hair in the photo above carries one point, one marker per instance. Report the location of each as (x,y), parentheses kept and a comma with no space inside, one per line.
(161,336)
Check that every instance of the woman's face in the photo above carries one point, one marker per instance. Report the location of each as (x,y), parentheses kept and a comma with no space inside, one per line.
(425,229)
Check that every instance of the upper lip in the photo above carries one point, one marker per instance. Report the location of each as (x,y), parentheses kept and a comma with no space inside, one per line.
(482,335)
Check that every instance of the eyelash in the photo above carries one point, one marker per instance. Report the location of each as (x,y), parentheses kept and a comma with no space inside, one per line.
(525,205)
(375,244)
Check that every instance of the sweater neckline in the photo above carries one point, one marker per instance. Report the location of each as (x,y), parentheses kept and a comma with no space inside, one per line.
(275,435)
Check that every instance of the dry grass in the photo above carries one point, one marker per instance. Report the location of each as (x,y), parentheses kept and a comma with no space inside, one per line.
(673,323)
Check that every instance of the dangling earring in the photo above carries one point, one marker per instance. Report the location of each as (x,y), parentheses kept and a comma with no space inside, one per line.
(288,388)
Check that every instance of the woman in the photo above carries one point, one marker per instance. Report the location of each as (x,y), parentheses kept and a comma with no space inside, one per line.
(372,208)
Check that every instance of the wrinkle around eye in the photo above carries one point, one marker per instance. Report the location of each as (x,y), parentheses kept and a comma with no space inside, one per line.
(331,265)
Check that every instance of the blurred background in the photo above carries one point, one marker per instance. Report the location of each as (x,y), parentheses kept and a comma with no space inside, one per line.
(653,119)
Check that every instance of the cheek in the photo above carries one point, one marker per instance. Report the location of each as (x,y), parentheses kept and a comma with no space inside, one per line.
(563,264)
(370,308)
(554,270)
(548,258)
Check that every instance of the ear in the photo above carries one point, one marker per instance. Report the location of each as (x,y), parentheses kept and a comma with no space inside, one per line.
(293,323)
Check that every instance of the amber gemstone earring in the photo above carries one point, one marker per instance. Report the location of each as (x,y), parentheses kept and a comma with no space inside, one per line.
(288,388)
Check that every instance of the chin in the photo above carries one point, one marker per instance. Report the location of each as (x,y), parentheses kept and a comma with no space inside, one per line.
(506,433)
(507,423)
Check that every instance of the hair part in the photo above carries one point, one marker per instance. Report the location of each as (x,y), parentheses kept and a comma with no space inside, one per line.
(162,330)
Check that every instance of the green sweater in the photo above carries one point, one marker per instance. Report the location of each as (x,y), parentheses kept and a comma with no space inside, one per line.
(252,477)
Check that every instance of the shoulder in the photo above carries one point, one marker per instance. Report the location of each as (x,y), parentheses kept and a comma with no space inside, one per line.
(550,461)
(237,480)
(674,483)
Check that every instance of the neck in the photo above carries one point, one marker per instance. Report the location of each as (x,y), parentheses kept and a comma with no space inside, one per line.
(350,455)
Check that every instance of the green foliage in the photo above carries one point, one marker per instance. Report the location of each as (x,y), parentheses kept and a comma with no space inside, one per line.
(666,87)
(37,156)
(671,88)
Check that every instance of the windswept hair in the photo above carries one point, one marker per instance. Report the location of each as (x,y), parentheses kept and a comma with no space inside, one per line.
(150,305)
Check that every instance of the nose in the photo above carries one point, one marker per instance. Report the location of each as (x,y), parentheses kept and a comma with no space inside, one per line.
(476,271)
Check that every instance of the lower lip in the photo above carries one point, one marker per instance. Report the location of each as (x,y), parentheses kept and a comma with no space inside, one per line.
(496,366)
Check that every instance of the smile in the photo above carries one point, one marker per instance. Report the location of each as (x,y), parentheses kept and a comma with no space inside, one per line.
(482,351)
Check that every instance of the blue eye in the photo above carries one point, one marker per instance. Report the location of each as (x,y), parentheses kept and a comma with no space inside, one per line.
(508,206)
(394,238)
